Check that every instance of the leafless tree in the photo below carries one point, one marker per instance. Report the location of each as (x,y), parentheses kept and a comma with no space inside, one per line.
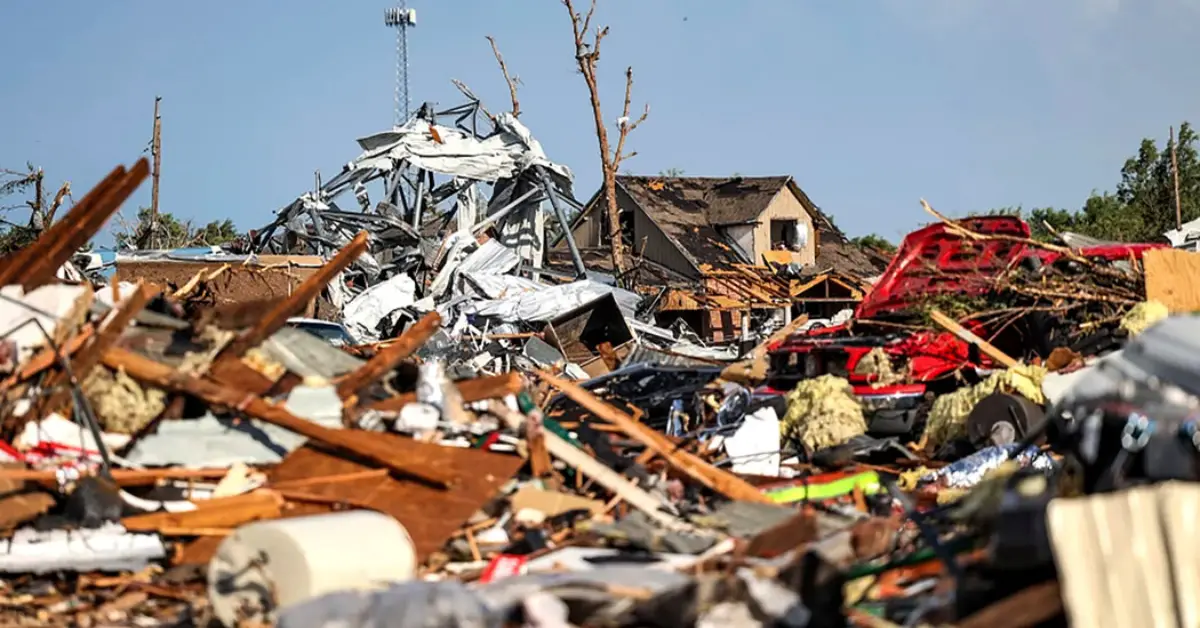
(41,208)
(512,81)
(586,57)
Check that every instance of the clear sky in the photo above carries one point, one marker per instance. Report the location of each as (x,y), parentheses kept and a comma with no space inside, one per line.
(869,104)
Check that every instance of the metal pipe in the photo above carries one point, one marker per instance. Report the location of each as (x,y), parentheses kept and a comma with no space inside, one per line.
(417,200)
(499,215)
(562,220)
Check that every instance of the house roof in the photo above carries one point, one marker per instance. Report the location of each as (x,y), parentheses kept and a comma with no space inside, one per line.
(689,210)
(704,200)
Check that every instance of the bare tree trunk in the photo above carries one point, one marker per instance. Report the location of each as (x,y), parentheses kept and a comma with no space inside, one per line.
(586,57)
(511,81)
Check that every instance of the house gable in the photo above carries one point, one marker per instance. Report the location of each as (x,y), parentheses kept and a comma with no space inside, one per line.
(650,240)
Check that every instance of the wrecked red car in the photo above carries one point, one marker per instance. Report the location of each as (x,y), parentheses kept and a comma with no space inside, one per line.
(932,262)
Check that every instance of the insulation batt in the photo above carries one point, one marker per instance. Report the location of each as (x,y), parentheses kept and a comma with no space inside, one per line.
(878,363)
(1142,316)
(948,417)
(823,412)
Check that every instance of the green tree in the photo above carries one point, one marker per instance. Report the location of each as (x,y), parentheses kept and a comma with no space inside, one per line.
(1142,207)
(875,241)
(671,172)
(172,233)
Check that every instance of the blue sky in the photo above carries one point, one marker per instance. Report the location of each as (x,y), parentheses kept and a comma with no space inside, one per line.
(869,104)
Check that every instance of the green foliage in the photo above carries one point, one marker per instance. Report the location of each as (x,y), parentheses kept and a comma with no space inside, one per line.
(875,241)
(1142,207)
(671,172)
(172,233)
(17,237)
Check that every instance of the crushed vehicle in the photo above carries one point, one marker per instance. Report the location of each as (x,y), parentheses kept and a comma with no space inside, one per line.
(898,364)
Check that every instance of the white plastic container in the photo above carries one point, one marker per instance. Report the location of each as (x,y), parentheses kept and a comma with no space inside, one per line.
(266,565)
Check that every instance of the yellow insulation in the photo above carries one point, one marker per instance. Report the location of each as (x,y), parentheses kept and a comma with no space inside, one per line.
(948,417)
(122,406)
(823,412)
(1142,316)
(877,362)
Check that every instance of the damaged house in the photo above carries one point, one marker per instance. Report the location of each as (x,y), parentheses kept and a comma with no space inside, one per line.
(715,251)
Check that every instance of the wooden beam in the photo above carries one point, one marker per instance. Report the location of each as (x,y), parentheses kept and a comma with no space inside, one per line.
(691,465)
(161,376)
(17,264)
(277,316)
(407,344)
(61,247)
(969,337)
(472,390)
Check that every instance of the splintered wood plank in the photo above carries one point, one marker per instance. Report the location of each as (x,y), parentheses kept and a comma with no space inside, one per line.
(221,512)
(20,504)
(364,444)
(312,286)
(377,367)
(43,267)
(471,390)
(693,466)
(1173,279)
(18,263)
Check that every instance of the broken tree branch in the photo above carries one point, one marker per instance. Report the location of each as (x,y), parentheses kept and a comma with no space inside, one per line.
(510,80)
(626,126)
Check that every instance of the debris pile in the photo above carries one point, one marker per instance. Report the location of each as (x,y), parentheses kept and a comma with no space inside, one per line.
(470,438)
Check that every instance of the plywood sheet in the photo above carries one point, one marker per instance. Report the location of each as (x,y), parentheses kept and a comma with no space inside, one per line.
(1173,279)
(431,515)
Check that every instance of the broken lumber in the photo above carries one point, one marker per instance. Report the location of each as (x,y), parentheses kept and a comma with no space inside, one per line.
(17,264)
(589,466)
(150,372)
(969,337)
(472,390)
(277,316)
(691,465)
(58,249)
(407,344)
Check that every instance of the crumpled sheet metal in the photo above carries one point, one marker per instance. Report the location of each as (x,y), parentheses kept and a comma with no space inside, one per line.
(552,301)
(458,154)
(741,599)
(363,313)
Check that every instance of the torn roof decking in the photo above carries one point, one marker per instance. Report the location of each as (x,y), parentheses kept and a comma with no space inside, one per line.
(838,255)
(689,210)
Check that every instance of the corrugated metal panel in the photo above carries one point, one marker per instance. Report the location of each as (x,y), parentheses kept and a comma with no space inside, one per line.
(552,301)
(491,257)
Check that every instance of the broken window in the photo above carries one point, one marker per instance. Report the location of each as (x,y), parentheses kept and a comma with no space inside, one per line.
(788,235)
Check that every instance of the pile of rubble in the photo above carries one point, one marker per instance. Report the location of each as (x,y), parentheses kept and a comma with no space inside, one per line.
(989,439)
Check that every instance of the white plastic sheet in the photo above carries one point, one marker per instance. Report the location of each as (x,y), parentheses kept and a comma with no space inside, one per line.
(754,447)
